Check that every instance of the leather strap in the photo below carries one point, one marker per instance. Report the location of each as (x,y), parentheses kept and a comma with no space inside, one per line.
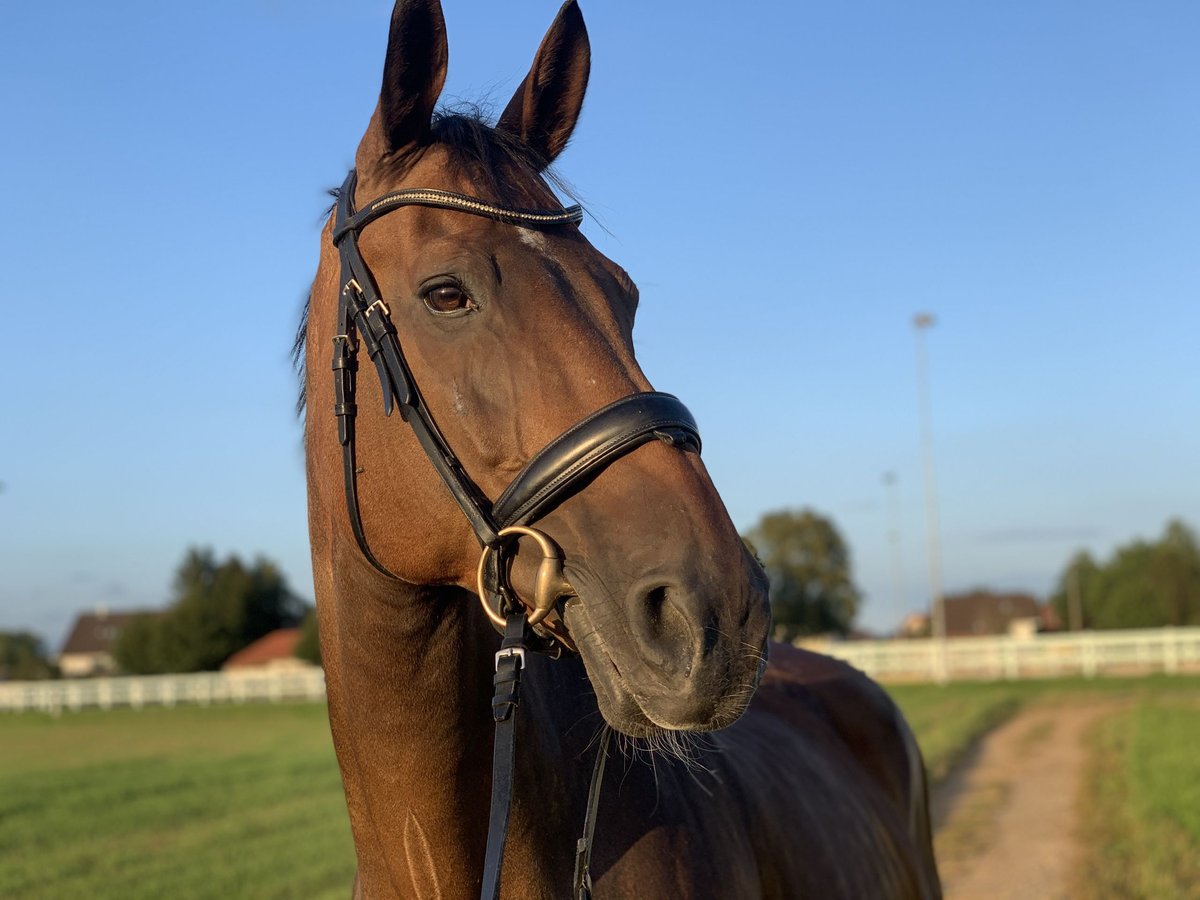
(582,882)
(510,662)
(572,215)
(567,462)
(361,305)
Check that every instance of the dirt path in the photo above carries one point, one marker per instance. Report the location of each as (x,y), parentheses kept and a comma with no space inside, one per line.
(1004,823)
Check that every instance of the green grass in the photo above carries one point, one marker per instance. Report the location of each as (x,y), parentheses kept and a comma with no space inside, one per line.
(231,801)
(245,801)
(948,719)
(1141,806)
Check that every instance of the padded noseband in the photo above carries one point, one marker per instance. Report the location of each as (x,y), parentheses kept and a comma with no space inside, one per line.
(571,459)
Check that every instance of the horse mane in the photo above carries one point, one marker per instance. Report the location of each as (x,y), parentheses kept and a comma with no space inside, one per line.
(504,166)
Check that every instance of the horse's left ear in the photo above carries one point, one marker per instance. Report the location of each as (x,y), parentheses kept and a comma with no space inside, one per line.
(545,108)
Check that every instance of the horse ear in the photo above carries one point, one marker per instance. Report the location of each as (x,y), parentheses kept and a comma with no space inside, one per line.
(545,108)
(414,71)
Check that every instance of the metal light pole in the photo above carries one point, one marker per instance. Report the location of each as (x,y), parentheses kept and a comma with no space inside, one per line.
(889,481)
(922,322)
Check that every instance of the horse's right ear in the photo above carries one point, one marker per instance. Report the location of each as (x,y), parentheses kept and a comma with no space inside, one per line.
(414,71)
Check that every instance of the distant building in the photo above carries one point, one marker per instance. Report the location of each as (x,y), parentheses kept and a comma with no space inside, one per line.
(915,625)
(273,652)
(87,652)
(985,612)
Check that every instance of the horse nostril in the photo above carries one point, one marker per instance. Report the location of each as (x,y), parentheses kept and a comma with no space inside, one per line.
(675,633)
(660,620)
(655,602)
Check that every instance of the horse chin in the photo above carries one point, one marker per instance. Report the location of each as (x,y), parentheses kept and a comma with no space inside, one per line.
(645,714)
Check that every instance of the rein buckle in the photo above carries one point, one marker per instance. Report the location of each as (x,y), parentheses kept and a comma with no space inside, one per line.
(508,653)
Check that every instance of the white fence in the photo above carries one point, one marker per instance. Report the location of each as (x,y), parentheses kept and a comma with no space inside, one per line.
(200,688)
(1087,653)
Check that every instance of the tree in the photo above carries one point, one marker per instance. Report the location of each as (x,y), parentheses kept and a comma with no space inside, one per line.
(309,645)
(1081,575)
(808,564)
(218,609)
(139,648)
(1175,575)
(1144,585)
(23,657)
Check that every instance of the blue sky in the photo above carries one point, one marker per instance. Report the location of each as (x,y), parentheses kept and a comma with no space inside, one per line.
(788,183)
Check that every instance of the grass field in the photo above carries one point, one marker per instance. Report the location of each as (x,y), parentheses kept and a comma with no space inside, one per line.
(245,801)
(232,801)
(948,719)
(1141,807)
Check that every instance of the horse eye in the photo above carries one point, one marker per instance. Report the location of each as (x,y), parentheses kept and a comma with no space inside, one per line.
(448,298)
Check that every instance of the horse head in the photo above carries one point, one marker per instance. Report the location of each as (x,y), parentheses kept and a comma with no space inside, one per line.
(514,333)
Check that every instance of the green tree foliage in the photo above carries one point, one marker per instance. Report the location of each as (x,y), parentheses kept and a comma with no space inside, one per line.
(309,646)
(808,563)
(219,607)
(139,647)
(1084,571)
(1146,584)
(23,657)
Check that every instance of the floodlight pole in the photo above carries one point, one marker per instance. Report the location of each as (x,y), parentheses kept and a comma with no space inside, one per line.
(893,505)
(921,323)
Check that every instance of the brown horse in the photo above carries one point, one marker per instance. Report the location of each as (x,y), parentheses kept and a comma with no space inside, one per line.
(513,333)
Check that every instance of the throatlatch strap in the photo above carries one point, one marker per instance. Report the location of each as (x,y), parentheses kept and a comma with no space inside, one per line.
(510,661)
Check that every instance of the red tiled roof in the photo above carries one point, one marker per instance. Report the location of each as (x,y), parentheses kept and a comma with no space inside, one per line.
(279,644)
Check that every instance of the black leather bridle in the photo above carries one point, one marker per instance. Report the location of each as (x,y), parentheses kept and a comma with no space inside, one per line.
(554,473)
(562,467)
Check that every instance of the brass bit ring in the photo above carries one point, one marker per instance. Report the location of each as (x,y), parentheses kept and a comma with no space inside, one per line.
(550,583)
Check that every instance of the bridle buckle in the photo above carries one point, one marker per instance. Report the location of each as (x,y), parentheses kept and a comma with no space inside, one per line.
(509,653)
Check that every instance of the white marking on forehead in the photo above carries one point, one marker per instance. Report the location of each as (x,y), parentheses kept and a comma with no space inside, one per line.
(534,239)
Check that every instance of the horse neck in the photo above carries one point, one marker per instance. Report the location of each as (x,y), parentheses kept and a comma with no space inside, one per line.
(409,673)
